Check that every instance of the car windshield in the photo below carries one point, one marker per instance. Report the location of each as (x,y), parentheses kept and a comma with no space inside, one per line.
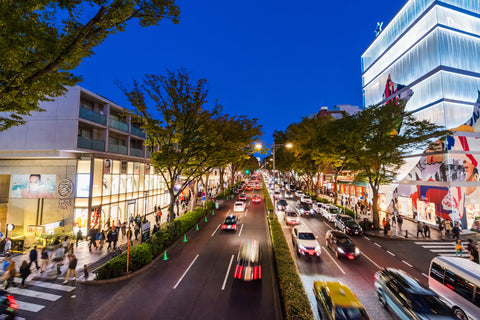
(351,224)
(239,204)
(306,236)
(291,214)
(306,197)
(429,304)
(346,313)
(230,221)
(333,210)
(345,241)
(304,206)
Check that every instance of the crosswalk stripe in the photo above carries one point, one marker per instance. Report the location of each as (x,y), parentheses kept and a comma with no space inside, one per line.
(452,246)
(443,250)
(34,294)
(433,242)
(27,306)
(454,255)
(48,285)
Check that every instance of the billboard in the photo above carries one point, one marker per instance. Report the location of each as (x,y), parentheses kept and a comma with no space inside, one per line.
(32,186)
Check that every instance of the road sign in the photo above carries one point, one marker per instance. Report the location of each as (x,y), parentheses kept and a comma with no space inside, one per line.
(203,198)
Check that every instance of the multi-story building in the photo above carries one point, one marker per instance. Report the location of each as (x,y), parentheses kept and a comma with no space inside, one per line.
(428,56)
(80,164)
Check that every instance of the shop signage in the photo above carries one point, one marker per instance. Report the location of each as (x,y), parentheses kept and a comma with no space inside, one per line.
(36,229)
(145,231)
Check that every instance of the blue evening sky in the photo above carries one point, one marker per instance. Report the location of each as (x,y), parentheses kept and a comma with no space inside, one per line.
(276,61)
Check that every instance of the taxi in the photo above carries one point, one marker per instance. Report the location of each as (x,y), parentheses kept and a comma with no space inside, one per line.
(256,199)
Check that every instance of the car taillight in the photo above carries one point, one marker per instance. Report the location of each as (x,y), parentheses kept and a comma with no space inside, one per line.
(259,272)
(234,226)
(255,273)
(224,226)
(12,302)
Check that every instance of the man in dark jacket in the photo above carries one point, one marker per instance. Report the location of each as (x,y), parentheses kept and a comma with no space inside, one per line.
(114,237)
(92,235)
(33,258)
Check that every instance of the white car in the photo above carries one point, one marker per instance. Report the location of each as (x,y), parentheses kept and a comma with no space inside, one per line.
(278,195)
(239,206)
(318,207)
(306,199)
(329,212)
(298,193)
(288,195)
(291,217)
(305,242)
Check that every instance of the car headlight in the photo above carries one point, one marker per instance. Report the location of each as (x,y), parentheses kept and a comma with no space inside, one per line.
(317,248)
(302,247)
(340,250)
(357,251)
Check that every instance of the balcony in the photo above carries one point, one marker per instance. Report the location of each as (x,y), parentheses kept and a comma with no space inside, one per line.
(116,148)
(122,126)
(138,132)
(90,144)
(92,116)
(137,152)
(149,154)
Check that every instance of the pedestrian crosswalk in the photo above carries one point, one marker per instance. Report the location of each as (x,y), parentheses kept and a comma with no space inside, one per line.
(36,295)
(443,248)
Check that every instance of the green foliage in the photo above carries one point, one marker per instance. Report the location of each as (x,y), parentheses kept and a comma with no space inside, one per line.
(42,41)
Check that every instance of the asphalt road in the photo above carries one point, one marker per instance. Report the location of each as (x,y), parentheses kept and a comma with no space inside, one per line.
(196,282)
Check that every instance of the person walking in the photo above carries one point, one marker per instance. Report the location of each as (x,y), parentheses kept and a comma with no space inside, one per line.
(79,237)
(71,269)
(8,245)
(420,229)
(124,229)
(114,237)
(470,248)
(10,274)
(101,239)
(400,222)
(448,228)
(44,260)
(33,258)
(441,227)
(426,230)
(65,243)
(137,231)
(92,235)
(458,248)
(24,272)
(456,231)
(56,242)
(109,239)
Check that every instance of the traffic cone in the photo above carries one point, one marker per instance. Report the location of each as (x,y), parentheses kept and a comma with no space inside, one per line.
(196,227)
(165,256)
(206,219)
(185,238)
(213,212)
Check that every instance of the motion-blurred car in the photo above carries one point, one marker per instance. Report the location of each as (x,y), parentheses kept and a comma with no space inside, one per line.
(341,244)
(282,204)
(256,199)
(288,195)
(292,188)
(258,186)
(303,209)
(277,195)
(346,223)
(8,305)
(407,298)
(248,266)
(329,212)
(336,301)
(291,217)
(317,207)
(299,193)
(239,206)
(305,242)
(249,188)
(306,199)
(230,223)
(242,197)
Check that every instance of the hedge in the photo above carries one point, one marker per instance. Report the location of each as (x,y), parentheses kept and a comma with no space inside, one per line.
(294,298)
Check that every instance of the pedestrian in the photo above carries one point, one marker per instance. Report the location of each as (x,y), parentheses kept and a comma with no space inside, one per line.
(155,229)
(58,256)
(420,229)
(8,245)
(448,228)
(56,242)
(114,238)
(92,235)
(109,239)
(124,229)
(475,253)
(456,231)
(10,274)
(129,236)
(459,248)
(33,258)
(441,227)
(426,230)
(79,237)
(470,248)
(71,269)
(101,239)
(386,229)
(400,222)
(384,223)
(6,263)
(65,243)
(137,231)
(24,271)
(44,260)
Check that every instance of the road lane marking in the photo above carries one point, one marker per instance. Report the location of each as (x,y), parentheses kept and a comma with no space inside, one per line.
(391,253)
(183,275)
(327,225)
(326,250)
(408,264)
(452,246)
(423,274)
(32,307)
(241,228)
(367,238)
(246,211)
(35,294)
(228,271)
(377,245)
(363,254)
(228,213)
(215,230)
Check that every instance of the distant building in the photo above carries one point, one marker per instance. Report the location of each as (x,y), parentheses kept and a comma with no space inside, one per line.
(337,110)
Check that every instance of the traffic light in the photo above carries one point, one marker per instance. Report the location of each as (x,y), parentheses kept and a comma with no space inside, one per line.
(247,171)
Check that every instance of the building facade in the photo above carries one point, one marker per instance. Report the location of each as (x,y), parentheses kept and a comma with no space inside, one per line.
(81,164)
(428,56)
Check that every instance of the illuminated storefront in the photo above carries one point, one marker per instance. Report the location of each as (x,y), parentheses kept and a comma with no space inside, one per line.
(428,56)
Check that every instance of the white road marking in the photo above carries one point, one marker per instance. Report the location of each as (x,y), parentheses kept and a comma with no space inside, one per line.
(331,228)
(423,274)
(452,246)
(363,254)
(391,253)
(215,230)
(35,294)
(367,238)
(246,211)
(47,285)
(434,242)
(228,213)
(408,264)
(446,250)
(27,306)
(228,271)
(377,244)
(326,250)
(183,275)
(241,228)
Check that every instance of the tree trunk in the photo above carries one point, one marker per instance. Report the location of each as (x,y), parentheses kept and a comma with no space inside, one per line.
(171,206)
(233,169)
(222,181)
(193,199)
(375,215)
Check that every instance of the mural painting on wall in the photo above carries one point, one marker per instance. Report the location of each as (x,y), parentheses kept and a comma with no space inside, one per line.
(462,203)
(394,92)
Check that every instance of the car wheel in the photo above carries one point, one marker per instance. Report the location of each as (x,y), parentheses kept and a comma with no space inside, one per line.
(458,313)
(381,299)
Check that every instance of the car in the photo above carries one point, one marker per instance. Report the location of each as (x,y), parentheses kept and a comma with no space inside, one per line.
(258,186)
(340,220)
(336,301)
(282,204)
(305,242)
(236,190)
(8,305)
(277,195)
(249,188)
(317,207)
(352,227)
(288,195)
(256,199)
(239,206)
(291,217)
(230,223)
(341,244)
(303,209)
(306,199)
(292,188)
(407,298)
(329,212)
(299,193)
(248,265)
(242,197)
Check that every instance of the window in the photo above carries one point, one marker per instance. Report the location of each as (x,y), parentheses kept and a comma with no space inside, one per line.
(437,272)
(461,286)
(86,104)
(85,132)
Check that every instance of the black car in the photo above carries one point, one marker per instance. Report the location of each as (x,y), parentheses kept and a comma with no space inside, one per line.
(347,224)
(341,244)
(8,306)
(303,209)
(407,298)
(282,204)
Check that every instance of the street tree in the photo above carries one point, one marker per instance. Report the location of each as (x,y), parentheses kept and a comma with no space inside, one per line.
(377,139)
(42,41)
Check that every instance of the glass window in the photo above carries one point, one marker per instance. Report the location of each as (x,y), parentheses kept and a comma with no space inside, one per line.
(461,286)
(437,272)
(83,166)
(97,178)
(82,185)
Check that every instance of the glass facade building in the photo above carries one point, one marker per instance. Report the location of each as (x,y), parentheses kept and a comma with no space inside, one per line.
(428,56)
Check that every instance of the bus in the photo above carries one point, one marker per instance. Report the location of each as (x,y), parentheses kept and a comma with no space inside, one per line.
(457,281)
